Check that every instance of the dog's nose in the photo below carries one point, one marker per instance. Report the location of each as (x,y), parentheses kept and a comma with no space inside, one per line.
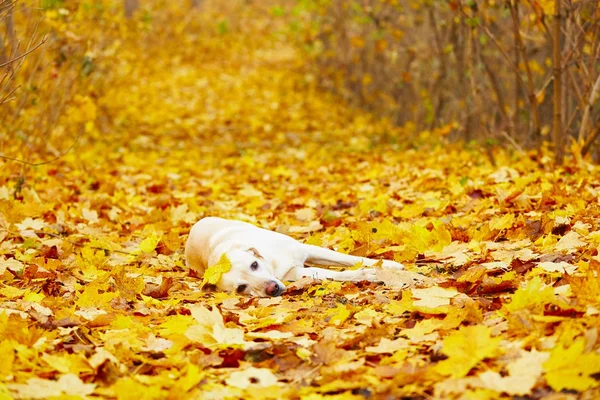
(273,289)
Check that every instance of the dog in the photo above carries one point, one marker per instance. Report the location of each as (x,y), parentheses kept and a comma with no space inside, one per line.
(261,260)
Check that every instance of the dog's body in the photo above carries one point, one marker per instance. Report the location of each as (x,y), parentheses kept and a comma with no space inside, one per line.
(262,259)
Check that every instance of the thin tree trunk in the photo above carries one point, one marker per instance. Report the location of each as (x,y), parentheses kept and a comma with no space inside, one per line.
(517,83)
(497,91)
(130,7)
(439,82)
(586,112)
(7,45)
(566,88)
(557,123)
(530,86)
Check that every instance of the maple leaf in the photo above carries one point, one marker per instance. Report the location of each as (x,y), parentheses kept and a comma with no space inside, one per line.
(570,368)
(210,329)
(532,296)
(90,215)
(523,374)
(338,315)
(190,378)
(562,267)
(213,274)
(31,224)
(130,389)
(433,297)
(149,244)
(95,294)
(7,349)
(386,345)
(68,384)
(465,348)
(176,324)
(570,242)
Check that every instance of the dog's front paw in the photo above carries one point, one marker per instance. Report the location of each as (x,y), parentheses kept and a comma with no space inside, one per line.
(366,274)
(392,265)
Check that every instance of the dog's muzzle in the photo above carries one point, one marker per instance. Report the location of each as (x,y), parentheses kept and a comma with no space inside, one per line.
(274,289)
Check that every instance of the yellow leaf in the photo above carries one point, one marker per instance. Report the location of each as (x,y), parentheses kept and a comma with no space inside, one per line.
(523,374)
(562,267)
(532,296)
(149,244)
(5,393)
(433,297)
(176,324)
(37,388)
(465,349)
(452,320)
(570,368)
(366,316)
(90,215)
(95,295)
(33,297)
(7,349)
(386,345)
(129,389)
(501,223)
(212,275)
(570,242)
(210,328)
(412,210)
(192,377)
(31,224)
(338,315)
(61,364)
(11,292)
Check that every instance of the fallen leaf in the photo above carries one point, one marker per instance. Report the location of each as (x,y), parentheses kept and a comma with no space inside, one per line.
(465,348)
(212,275)
(433,297)
(570,368)
(36,388)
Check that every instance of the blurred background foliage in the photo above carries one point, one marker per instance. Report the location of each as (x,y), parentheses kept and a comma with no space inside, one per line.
(523,74)
(476,69)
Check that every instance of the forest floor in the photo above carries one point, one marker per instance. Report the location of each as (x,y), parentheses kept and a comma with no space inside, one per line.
(501,296)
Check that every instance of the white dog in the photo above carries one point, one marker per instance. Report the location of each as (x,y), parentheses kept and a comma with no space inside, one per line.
(262,259)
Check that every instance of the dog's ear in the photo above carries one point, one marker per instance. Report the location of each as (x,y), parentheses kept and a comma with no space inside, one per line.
(256,253)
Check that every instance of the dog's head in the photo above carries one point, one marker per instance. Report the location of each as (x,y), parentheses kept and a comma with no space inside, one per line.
(250,274)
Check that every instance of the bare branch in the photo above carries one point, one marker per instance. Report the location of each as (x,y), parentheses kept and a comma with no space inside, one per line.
(586,112)
(44,39)
(44,162)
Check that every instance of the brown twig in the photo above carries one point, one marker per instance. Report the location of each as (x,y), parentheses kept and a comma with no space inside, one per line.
(44,162)
(44,40)
(586,112)
(590,140)
(494,40)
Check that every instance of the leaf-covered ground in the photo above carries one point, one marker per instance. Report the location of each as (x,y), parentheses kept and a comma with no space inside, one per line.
(501,297)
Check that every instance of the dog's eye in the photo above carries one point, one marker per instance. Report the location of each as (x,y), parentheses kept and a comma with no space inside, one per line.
(241,289)
(254,266)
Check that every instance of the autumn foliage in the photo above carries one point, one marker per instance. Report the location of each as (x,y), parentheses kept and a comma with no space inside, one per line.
(142,126)
(517,72)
